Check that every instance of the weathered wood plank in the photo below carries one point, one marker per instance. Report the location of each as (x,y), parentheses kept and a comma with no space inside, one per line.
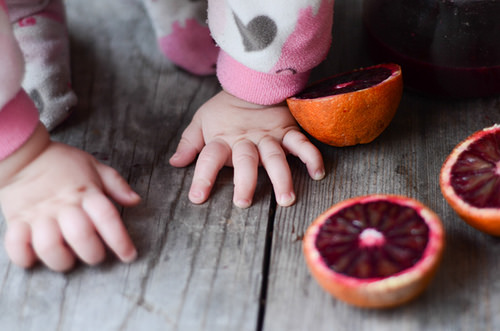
(200,267)
(405,159)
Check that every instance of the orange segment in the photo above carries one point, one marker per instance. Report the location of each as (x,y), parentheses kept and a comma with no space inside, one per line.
(350,108)
(375,251)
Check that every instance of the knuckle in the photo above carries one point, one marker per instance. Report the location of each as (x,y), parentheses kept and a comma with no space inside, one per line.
(185,141)
(108,216)
(96,258)
(273,155)
(214,153)
(207,156)
(48,247)
(15,233)
(266,140)
(245,157)
(83,236)
(297,137)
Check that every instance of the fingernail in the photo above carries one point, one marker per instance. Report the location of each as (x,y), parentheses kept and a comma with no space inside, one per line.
(196,196)
(286,199)
(243,203)
(134,195)
(174,157)
(132,256)
(319,174)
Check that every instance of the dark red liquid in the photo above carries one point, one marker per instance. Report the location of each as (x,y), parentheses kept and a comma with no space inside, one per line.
(445,47)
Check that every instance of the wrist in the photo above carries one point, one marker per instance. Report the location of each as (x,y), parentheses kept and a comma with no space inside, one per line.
(242,103)
(23,156)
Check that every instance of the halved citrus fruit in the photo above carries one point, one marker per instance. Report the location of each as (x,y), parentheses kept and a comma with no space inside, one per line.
(470,180)
(375,251)
(350,108)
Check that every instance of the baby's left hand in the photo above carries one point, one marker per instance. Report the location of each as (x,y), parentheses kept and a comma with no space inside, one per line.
(229,131)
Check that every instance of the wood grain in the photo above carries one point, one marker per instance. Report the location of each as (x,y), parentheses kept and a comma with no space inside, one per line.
(405,159)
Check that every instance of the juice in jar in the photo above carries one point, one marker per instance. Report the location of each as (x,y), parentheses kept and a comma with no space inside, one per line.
(445,47)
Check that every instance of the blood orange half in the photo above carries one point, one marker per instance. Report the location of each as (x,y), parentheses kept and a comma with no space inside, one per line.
(470,180)
(350,108)
(375,251)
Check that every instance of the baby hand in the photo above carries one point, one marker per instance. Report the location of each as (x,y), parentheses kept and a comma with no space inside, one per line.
(57,207)
(229,131)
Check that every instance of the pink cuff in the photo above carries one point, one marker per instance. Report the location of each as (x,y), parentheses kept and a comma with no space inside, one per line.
(18,121)
(257,87)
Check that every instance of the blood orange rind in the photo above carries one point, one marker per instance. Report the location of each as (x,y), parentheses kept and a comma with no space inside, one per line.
(382,292)
(342,112)
(486,219)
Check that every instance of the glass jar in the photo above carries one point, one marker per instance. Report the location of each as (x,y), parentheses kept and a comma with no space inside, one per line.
(445,47)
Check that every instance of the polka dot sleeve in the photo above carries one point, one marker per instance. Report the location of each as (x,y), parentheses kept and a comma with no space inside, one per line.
(268,48)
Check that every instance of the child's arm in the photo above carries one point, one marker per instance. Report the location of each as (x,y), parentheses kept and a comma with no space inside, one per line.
(55,200)
(267,52)
(53,197)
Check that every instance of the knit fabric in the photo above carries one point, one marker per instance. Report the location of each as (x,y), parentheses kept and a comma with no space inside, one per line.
(18,115)
(40,30)
(264,51)
(268,48)
(11,60)
(183,35)
(273,45)
(18,120)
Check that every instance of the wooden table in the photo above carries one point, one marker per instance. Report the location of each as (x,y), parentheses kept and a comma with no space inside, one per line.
(218,267)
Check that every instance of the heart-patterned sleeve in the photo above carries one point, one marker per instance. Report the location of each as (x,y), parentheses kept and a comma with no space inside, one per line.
(268,48)
(18,114)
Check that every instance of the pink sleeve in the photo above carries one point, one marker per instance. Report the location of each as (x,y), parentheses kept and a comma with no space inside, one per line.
(269,48)
(255,86)
(18,114)
(18,121)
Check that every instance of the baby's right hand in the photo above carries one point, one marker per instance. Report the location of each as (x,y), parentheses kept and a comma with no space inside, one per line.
(57,207)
